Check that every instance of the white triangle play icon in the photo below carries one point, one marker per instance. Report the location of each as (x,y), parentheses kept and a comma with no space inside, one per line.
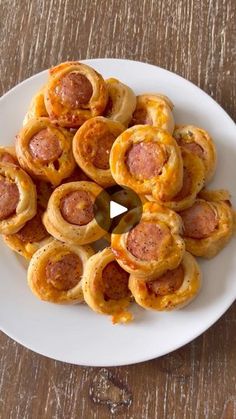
(116,209)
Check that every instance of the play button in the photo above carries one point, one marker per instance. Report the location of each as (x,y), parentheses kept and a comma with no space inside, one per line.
(121,213)
(116,209)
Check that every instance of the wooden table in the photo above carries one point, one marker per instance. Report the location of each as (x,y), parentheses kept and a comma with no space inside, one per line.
(197,40)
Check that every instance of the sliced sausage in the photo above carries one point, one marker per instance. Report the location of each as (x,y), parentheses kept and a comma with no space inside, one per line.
(34,230)
(145,241)
(77,207)
(115,281)
(145,160)
(168,283)
(141,117)
(102,148)
(7,158)
(186,188)
(44,146)
(199,221)
(74,90)
(192,147)
(9,198)
(65,273)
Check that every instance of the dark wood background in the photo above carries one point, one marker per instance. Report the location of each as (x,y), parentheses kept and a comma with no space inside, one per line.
(196,39)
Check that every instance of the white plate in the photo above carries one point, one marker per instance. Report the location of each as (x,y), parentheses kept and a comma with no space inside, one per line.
(76,334)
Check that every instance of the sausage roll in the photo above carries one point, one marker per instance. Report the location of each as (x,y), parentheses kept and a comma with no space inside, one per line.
(121,102)
(199,142)
(147,160)
(74,93)
(208,224)
(45,150)
(30,237)
(37,107)
(174,289)
(76,176)
(71,217)
(17,198)
(153,245)
(193,181)
(55,272)
(92,145)
(8,155)
(105,286)
(154,110)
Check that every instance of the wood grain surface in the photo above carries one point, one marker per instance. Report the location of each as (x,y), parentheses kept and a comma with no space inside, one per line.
(196,39)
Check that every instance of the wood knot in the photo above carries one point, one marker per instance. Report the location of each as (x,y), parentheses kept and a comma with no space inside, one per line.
(106,389)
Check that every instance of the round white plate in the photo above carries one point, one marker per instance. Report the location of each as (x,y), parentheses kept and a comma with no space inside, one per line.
(76,334)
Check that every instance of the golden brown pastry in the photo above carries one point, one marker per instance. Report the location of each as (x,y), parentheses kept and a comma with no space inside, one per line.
(174,289)
(199,142)
(208,224)
(70,215)
(121,102)
(154,110)
(74,93)
(17,198)
(105,286)
(45,150)
(37,107)
(30,237)
(147,160)
(55,272)
(193,181)
(91,148)
(8,155)
(151,247)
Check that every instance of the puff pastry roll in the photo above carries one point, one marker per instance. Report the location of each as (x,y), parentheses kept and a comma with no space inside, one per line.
(147,160)
(92,145)
(30,237)
(174,289)
(208,224)
(55,272)
(74,93)
(193,181)
(37,107)
(121,102)
(8,155)
(105,287)
(199,142)
(70,215)
(154,110)
(17,198)
(151,247)
(45,150)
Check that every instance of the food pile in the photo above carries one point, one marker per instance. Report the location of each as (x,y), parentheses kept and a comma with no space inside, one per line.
(82,137)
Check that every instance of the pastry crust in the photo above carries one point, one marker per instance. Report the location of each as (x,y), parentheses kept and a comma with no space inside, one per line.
(121,102)
(66,116)
(94,293)
(88,148)
(61,229)
(8,155)
(54,171)
(38,282)
(190,134)
(24,246)
(171,301)
(162,186)
(27,205)
(155,110)
(193,170)
(37,107)
(172,248)
(210,246)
